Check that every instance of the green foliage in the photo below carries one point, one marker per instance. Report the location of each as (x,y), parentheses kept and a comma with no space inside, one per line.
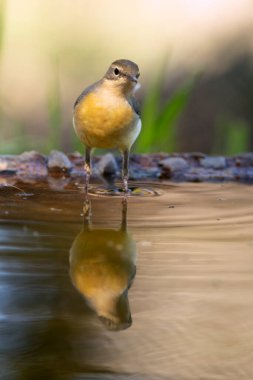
(238,138)
(76,143)
(17,142)
(232,136)
(159,122)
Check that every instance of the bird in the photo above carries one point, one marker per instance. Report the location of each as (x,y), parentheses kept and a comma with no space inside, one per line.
(103,267)
(107,115)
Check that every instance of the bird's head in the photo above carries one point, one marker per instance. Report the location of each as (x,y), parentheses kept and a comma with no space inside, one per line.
(123,74)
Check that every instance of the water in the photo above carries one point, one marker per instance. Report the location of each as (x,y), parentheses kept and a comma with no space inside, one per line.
(186,257)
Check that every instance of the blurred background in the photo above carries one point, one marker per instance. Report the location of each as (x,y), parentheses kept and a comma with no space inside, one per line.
(195,59)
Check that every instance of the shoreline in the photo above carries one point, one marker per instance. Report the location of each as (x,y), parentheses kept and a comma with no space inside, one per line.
(177,167)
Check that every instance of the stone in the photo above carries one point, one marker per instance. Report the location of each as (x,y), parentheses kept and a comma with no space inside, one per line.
(217,162)
(31,164)
(58,160)
(174,164)
(244,159)
(3,165)
(197,155)
(30,155)
(138,173)
(107,165)
(12,163)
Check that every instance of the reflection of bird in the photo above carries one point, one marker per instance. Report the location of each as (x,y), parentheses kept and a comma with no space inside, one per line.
(106,114)
(102,268)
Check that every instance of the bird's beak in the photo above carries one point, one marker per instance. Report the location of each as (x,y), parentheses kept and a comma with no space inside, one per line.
(137,87)
(132,78)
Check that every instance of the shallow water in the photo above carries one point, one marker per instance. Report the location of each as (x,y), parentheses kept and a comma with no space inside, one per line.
(190,302)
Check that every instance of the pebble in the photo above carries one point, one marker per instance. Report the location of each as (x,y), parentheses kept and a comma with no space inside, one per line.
(59,160)
(107,165)
(217,162)
(174,164)
(30,156)
(3,165)
(31,164)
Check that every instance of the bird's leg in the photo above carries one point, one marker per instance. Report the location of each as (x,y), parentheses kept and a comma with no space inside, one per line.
(87,213)
(124,215)
(87,168)
(125,165)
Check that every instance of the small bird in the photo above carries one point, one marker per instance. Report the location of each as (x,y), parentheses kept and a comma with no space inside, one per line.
(106,114)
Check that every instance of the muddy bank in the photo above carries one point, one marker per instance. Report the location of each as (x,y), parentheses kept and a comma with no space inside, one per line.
(188,167)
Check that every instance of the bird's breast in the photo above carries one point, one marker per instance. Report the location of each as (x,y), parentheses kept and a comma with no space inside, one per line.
(105,121)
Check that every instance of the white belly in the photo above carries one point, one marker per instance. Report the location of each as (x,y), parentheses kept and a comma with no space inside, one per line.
(135,133)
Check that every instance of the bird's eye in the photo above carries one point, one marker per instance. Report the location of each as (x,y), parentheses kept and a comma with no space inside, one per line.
(116,71)
(137,75)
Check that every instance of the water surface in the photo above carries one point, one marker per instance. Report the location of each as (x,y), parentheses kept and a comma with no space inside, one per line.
(186,257)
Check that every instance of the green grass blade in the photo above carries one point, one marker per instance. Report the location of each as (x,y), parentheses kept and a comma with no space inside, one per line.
(150,110)
(171,111)
(231,136)
(238,138)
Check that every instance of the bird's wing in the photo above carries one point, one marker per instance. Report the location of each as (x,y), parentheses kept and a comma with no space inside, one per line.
(135,104)
(86,92)
(131,277)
